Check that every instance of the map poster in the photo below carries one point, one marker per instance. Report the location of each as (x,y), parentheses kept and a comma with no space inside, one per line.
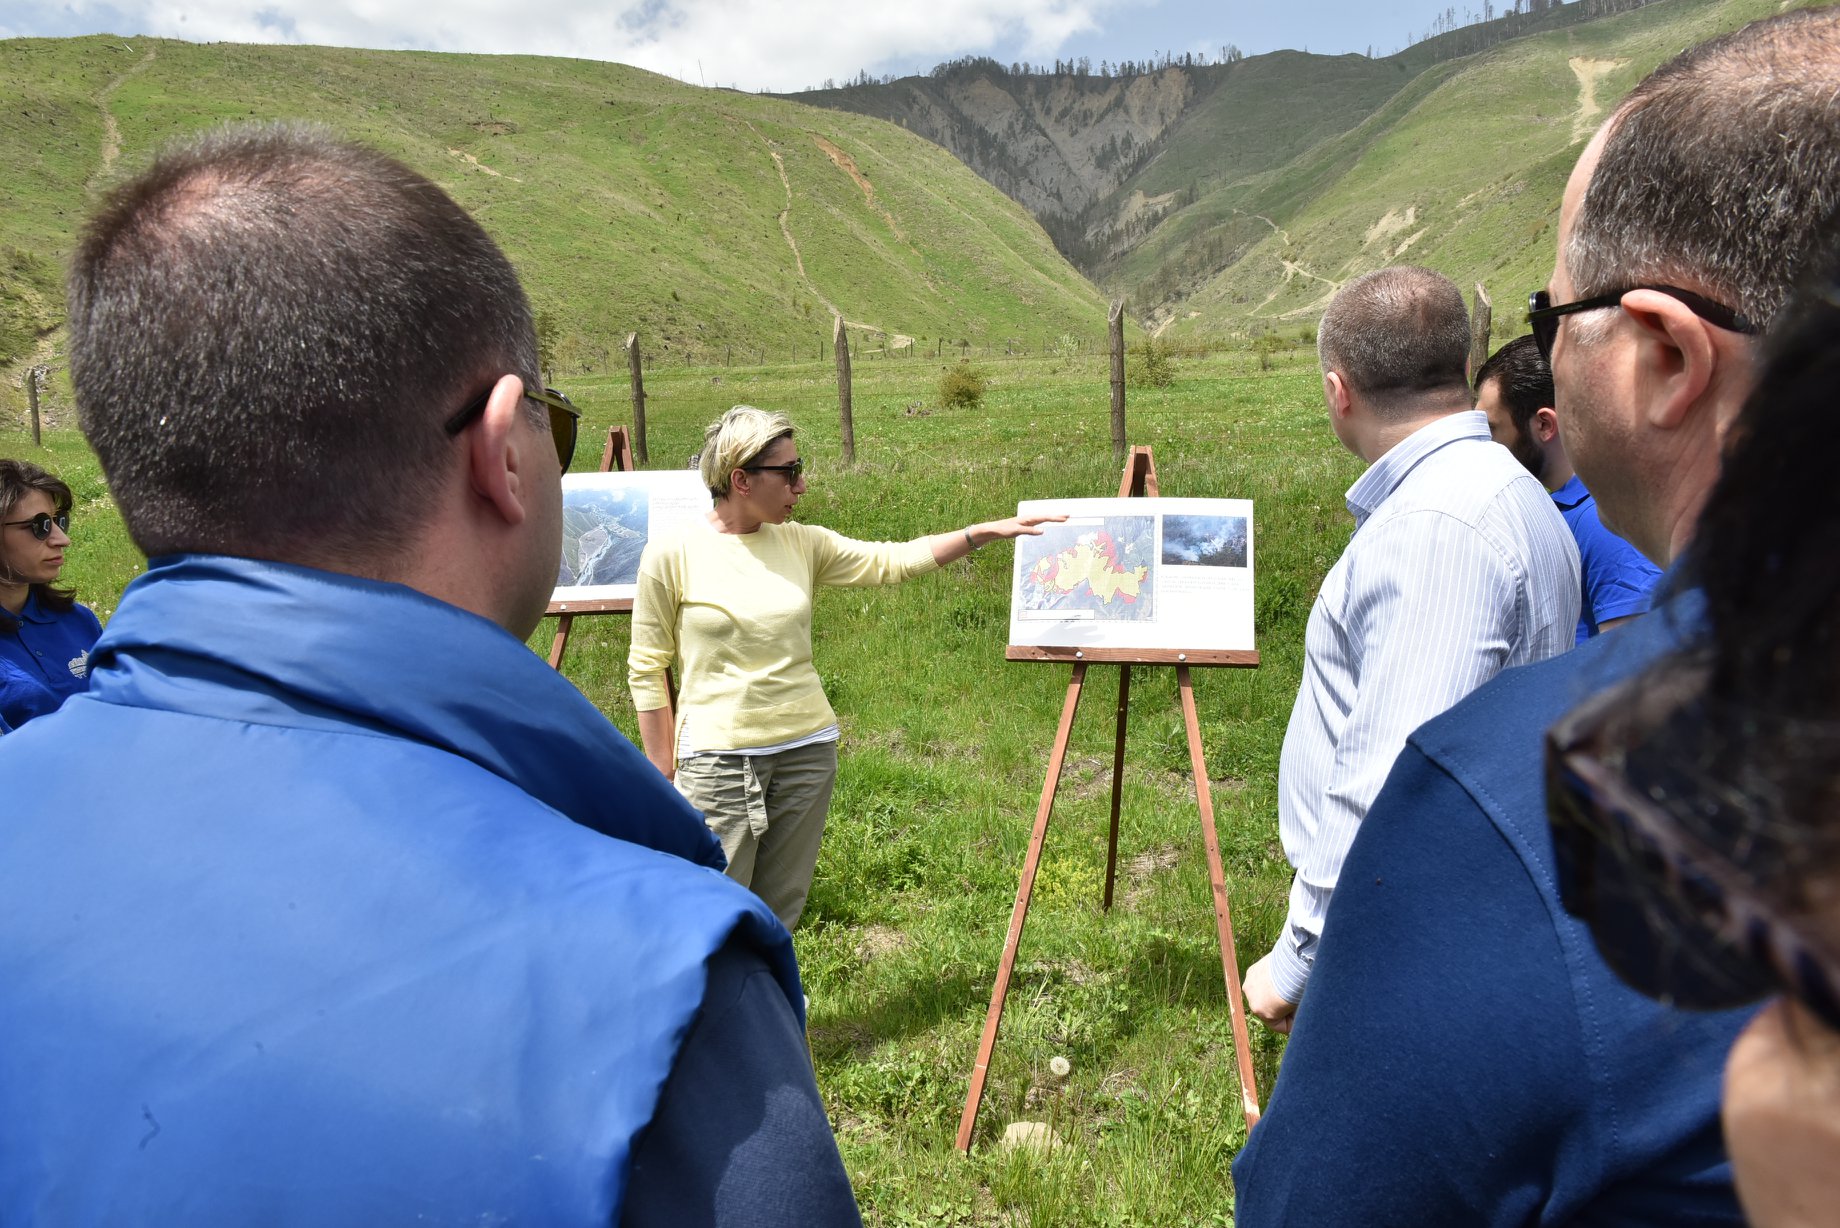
(607,519)
(1136,574)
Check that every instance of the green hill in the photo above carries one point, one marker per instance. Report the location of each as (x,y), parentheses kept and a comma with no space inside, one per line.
(706,219)
(1460,170)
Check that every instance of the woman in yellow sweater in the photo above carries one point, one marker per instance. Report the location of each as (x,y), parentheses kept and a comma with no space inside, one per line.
(753,744)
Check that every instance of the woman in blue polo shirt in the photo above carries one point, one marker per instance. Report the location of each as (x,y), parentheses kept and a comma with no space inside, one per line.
(45,636)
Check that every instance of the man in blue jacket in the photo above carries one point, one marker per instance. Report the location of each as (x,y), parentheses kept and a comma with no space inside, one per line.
(1464,1055)
(330,903)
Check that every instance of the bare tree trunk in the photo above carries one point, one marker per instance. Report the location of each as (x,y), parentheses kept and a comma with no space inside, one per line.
(1115,326)
(840,342)
(1479,323)
(635,365)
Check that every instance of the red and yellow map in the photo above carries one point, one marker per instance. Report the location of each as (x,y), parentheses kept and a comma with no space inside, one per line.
(1091,563)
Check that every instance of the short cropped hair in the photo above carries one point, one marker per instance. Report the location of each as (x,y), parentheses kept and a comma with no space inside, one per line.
(1719,169)
(735,441)
(268,328)
(19,479)
(1523,377)
(1395,335)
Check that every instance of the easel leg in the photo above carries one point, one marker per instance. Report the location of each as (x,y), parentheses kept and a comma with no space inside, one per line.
(1111,844)
(1223,917)
(563,623)
(993,1018)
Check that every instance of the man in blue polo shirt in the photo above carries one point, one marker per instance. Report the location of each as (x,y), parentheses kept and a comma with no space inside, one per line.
(1515,389)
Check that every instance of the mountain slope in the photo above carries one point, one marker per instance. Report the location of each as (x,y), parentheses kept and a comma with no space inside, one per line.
(1258,186)
(705,219)
(1461,171)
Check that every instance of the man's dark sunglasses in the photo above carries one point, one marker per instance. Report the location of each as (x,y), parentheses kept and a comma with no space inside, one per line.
(40,525)
(1544,318)
(791,471)
(564,419)
(1672,915)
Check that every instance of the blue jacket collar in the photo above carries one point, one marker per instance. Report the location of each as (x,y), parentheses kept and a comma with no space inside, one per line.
(272,643)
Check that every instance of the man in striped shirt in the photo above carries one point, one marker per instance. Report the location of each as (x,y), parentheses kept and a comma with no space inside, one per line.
(1460,566)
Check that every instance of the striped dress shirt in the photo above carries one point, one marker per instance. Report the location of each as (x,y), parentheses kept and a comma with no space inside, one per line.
(1460,566)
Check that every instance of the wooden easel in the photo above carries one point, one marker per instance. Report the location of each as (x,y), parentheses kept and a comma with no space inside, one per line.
(618,455)
(1139,481)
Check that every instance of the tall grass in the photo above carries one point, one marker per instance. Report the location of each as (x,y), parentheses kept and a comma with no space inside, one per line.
(944,749)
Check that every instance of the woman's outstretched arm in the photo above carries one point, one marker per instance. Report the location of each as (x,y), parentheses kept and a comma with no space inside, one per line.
(948,547)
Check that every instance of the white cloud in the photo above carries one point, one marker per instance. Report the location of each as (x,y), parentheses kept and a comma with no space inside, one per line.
(779,45)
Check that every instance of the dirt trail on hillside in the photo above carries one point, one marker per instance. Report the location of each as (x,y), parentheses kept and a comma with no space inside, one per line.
(1275,228)
(848,166)
(1588,73)
(477,165)
(111,131)
(895,340)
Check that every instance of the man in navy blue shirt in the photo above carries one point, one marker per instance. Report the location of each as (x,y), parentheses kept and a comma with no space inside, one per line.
(1464,1056)
(1514,388)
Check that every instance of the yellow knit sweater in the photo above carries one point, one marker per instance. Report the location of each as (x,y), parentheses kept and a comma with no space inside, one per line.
(733,612)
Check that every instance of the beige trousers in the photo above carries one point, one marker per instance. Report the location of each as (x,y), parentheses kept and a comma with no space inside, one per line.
(768,811)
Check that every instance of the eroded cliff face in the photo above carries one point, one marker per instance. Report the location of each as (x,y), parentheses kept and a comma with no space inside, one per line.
(1055,144)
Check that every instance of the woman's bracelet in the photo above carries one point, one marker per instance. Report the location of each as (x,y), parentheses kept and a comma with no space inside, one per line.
(969,543)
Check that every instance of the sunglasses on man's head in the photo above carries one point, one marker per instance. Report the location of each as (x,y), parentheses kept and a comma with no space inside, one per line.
(1543,317)
(40,525)
(564,419)
(1669,907)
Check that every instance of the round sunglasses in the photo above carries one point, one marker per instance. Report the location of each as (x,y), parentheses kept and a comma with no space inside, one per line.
(40,525)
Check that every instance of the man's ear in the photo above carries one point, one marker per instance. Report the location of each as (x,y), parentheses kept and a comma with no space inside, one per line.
(1675,357)
(1335,392)
(1545,424)
(500,456)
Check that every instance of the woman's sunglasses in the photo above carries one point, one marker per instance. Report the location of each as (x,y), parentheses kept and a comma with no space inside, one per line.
(40,525)
(792,470)
(1669,906)
(564,419)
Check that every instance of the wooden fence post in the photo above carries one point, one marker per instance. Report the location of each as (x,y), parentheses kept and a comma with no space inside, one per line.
(635,365)
(840,342)
(32,374)
(1479,324)
(1115,326)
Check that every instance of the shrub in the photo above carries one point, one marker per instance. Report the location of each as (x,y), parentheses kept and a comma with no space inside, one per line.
(1151,364)
(1267,344)
(962,387)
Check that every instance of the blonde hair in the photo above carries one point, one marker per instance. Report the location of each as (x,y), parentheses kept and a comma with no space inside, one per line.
(736,440)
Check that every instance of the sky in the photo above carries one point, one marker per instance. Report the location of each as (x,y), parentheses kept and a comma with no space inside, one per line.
(778,45)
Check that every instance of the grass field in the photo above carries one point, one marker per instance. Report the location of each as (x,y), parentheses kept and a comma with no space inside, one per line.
(945,745)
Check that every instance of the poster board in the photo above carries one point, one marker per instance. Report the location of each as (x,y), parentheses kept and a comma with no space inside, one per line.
(606,520)
(1148,576)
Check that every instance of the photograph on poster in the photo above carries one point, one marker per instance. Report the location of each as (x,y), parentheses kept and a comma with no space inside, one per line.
(1205,541)
(607,519)
(1137,575)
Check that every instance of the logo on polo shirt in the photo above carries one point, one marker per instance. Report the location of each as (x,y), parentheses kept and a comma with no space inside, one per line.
(79,665)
